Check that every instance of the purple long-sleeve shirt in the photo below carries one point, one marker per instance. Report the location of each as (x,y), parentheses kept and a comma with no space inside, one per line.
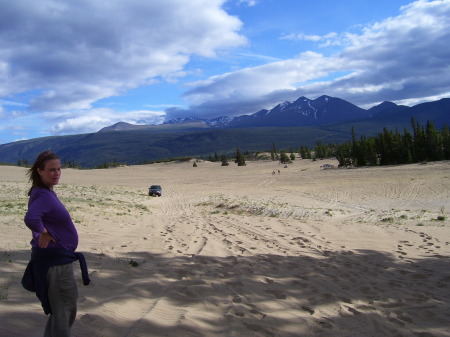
(45,210)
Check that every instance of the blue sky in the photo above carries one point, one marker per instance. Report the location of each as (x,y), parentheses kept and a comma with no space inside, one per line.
(71,67)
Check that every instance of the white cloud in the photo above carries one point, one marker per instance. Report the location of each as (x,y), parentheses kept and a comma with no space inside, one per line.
(399,59)
(85,121)
(249,3)
(15,128)
(414,101)
(77,53)
(315,38)
(6,103)
(12,103)
(252,82)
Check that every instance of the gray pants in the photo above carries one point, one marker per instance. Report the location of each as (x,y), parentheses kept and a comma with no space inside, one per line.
(63,295)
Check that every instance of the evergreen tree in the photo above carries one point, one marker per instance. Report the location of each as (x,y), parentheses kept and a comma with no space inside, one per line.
(305,152)
(302,152)
(240,159)
(433,143)
(371,152)
(320,150)
(344,154)
(273,152)
(284,158)
(420,143)
(308,153)
(408,145)
(224,160)
(324,151)
(358,150)
(384,144)
(445,135)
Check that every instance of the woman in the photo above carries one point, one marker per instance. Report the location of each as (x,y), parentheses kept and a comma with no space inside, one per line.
(54,241)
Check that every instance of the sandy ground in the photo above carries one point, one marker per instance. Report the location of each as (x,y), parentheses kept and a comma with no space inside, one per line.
(239,251)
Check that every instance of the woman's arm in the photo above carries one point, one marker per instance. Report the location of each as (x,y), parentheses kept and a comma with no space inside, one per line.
(39,205)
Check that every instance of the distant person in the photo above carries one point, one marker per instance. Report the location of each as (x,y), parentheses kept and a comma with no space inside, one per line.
(54,241)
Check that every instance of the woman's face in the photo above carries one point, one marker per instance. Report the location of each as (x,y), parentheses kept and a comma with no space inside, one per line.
(51,173)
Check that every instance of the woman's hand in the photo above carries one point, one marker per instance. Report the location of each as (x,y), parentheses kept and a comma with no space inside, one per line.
(44,239)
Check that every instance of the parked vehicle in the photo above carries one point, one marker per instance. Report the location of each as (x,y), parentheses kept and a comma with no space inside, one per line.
(155,191)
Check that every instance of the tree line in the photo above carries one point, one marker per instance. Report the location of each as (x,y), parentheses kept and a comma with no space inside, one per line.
(390,147)
(424,143)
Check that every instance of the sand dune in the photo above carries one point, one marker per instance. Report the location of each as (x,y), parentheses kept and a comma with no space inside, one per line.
(239,251)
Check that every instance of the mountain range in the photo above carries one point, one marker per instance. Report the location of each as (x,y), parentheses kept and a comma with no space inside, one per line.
(288,124)
(302,112)
(305,112)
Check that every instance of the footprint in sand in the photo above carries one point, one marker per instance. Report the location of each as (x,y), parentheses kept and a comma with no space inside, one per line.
(258,313)
(419,276)
(354,311)
(237,299)
(88,319)
(239,314)
(324,324)
(277,293)
(301,284)
(404,317)
(308,309)
(396,321)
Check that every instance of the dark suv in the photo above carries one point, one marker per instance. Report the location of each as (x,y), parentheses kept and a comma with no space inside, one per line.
(155,190)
